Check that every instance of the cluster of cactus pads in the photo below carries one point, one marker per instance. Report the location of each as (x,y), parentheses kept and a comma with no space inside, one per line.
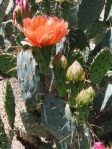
(61,84)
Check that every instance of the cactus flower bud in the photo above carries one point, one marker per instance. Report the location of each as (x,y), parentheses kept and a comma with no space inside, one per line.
(60,61)
(85,97)
(75,72)
(91,91)
(22,9)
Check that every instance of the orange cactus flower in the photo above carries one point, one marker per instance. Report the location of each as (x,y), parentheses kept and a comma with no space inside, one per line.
(43,31)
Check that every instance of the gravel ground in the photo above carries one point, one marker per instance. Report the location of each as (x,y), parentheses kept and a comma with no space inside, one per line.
(19,105)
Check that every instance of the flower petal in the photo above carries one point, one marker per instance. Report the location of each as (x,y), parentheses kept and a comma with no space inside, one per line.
(41,31)
(28,42)
(27,23)
(38,21)
(46,38)
(60,31)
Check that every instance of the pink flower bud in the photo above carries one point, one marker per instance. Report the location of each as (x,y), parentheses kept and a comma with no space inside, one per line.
(22,9)
(18,11)
(99,145)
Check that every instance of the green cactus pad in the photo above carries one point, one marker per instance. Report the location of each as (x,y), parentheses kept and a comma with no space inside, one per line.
(100,65)
(3,137)
(43,58)
(82,113)
(28,76)
(9,102)
(60,79)
(73,90)
(58,120)
(96,30)
(8,64)
(59,68)
(89,11)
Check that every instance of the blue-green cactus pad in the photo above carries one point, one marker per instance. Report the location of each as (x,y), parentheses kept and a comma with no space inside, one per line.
(32,124)
(28,76)
(57,119)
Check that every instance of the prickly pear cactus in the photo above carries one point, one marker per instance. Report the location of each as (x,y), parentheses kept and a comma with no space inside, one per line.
(59,67)
(8,64)
(57,118)
(64,54)
(28,77)
(102,60)
(86,15)
(9,103)
(32,124)
(65,114)
(4,141)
